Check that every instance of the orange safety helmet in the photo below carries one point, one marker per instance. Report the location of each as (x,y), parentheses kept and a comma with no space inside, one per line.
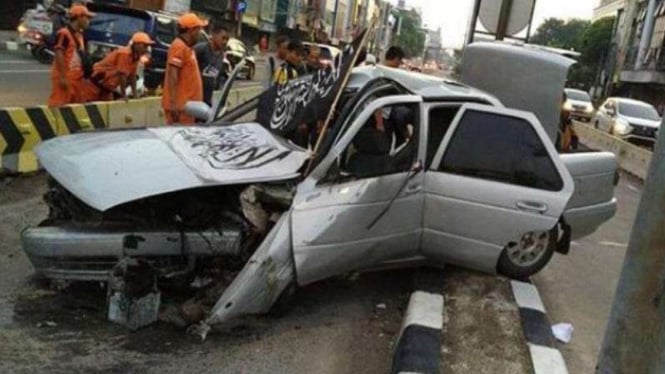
(141,38)
(190,21)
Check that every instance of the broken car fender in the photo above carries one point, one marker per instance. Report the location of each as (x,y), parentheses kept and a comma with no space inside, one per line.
(266,275)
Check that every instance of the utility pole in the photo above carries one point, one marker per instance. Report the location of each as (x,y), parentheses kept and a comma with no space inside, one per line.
(474,21)
(504,19)
(635,336)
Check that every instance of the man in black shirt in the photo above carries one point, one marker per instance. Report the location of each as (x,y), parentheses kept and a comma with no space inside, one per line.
(210,56)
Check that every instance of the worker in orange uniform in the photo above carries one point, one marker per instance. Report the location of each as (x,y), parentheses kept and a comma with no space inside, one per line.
(182,81)
(118,70)
(71,59)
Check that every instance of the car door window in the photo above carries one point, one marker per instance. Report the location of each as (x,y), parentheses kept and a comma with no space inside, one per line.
(440,119)
(386,144)
(165,29)
(500,148)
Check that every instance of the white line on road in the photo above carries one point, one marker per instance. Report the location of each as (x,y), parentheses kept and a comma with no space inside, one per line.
(614,244)
(16,61)
(36,71)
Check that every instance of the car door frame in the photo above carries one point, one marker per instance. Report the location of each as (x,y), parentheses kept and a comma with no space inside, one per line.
(481,253)
(318,205)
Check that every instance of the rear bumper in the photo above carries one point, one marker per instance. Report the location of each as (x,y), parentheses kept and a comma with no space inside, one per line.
(585,220)
(88,254)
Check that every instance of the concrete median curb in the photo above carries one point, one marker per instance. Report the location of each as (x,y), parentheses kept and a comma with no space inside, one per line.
(631,158)
(22,129)
(545,357)
(418,347)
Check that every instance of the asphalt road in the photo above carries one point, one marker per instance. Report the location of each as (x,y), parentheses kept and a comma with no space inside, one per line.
(23,80)
(579,288)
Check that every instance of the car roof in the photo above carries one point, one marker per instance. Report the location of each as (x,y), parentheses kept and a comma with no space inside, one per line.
(429,87)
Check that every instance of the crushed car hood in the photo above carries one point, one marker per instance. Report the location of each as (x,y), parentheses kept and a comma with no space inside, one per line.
(110,168)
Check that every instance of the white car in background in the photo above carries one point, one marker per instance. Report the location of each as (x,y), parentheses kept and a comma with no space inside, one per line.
(578,103)
(629,119)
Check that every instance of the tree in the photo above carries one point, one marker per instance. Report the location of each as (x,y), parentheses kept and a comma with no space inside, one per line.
(412,37)
(595,41)
(591,40)
(558,33)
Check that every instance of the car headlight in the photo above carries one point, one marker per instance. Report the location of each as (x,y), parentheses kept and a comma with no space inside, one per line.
(21,29)
(567,106)
(622,127)
(588,109)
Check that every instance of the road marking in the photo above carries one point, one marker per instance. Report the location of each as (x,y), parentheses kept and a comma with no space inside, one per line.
(36,71)
(526,296)
(17,61)
(614,244)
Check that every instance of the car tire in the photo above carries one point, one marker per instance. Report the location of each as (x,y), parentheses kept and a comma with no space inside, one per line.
(250,73)
(42,55)
(524,259)
(595,125)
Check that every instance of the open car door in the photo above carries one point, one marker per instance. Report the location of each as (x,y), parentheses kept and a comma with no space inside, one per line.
(339,217)
(495,177)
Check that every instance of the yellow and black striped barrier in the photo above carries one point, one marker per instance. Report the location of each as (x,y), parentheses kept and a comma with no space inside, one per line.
(22,129)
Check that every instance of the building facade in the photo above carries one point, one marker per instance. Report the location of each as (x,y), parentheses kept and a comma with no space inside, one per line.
(642,69)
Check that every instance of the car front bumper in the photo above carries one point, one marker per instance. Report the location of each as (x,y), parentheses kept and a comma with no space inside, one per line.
(88,254)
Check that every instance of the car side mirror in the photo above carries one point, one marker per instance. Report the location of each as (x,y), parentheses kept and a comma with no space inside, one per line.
(199,110)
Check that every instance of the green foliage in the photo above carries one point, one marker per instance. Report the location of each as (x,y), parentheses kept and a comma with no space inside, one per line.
(412,37)
(596,40)
(557,33)
(592,40)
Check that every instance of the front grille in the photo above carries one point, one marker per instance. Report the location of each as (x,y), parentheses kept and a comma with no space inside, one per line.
(645,131)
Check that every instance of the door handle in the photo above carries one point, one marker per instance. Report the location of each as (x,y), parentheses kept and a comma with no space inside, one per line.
(532,206)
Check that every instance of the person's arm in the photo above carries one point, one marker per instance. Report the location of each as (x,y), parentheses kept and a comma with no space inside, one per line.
(135,92)
(60,66)
(172,84)
(122,79)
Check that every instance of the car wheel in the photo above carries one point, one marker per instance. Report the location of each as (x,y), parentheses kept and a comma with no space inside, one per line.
(595,124)
(610,129)
(250,73)
(528,256)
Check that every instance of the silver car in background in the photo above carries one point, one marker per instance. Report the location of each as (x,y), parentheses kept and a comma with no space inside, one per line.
(629,119)
(578,103)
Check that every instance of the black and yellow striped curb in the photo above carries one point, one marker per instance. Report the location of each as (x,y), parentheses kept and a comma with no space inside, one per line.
(22,129)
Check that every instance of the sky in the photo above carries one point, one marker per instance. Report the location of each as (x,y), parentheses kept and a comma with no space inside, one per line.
(453,15)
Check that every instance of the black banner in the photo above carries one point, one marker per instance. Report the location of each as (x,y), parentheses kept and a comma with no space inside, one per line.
(307,99)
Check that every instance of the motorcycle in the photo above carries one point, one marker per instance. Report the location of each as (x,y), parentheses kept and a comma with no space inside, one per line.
(37,30)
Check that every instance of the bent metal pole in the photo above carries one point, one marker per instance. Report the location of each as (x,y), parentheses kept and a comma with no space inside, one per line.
(635,336)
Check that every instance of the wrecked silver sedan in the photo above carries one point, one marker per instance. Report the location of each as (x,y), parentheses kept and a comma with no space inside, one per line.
(471,183)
